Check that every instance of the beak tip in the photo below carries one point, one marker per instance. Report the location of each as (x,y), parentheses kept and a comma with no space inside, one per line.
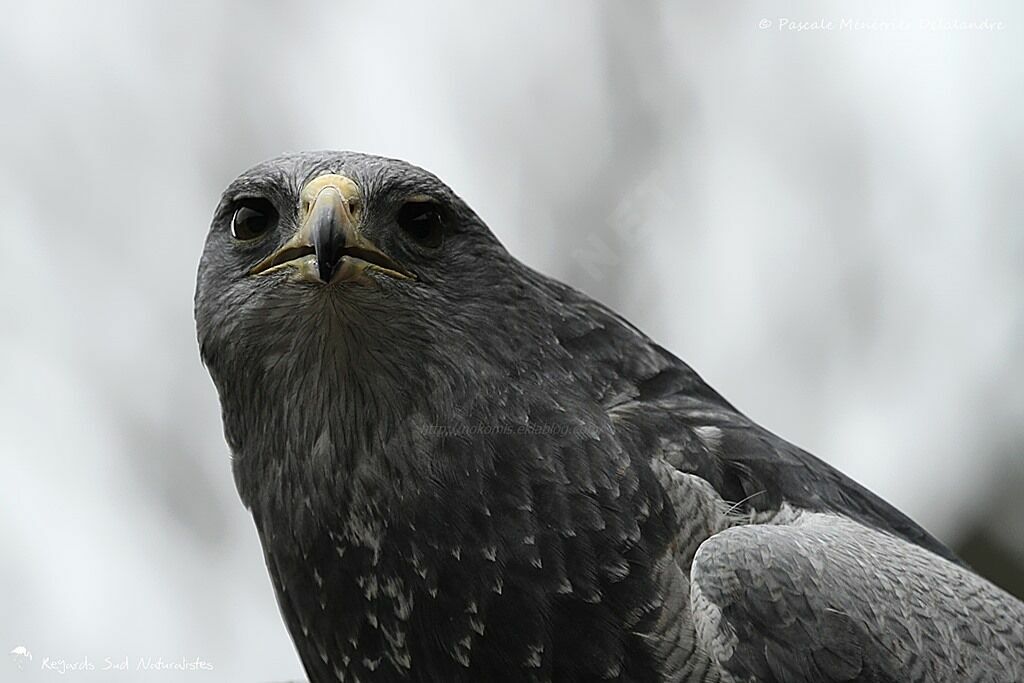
(324,270)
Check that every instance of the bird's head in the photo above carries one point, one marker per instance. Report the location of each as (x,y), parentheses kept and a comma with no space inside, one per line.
(346,287)
(336,251)
(339,227)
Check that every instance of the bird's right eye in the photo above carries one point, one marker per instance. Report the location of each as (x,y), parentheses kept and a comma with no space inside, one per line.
(252,218)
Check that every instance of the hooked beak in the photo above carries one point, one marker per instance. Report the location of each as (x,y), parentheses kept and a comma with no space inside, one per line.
(328,246)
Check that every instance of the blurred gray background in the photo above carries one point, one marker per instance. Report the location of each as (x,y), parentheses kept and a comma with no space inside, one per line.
(826,223)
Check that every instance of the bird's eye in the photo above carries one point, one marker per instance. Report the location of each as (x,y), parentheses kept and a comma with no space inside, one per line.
(252,218)
(423,221)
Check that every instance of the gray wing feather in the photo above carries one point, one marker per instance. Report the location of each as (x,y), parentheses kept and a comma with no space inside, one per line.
(699,513)
(825,598)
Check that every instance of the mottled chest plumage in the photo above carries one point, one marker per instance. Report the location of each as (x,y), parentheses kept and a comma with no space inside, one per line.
(506,591)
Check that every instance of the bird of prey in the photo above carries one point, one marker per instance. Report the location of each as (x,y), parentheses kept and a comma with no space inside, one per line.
(462,470)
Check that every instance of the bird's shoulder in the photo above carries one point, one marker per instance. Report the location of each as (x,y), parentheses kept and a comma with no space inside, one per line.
(662,408)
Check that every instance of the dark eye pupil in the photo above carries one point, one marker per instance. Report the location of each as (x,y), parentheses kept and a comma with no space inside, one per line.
(252,219)
(423,222)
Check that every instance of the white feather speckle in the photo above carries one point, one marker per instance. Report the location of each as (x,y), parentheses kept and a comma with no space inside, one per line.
(710,436)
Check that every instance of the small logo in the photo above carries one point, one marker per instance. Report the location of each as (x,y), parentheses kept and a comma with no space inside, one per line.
(20,655)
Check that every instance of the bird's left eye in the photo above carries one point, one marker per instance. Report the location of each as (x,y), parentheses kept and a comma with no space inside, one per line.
(422,221)
(253,218)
